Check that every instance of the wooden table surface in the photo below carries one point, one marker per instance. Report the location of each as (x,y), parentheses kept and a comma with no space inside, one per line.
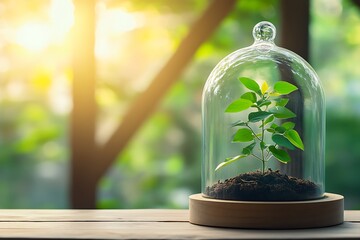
(146,224)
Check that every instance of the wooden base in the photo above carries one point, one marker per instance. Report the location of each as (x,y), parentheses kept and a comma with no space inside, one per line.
(327,211)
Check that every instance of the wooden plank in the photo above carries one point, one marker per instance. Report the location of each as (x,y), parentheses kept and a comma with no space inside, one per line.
(163,230)
(352,216)
(146,224)
(141,215)
(133,215)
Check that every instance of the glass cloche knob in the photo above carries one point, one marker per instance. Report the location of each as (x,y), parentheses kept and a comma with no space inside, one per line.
(264,32)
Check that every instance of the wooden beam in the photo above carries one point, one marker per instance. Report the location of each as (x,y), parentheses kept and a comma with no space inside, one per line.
(357,3)
(295,17)
(145,104)
(83,118)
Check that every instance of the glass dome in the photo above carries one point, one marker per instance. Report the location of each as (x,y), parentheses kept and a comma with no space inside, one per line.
(263,125)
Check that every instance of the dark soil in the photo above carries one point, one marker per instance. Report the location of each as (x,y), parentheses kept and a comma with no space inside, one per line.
(270,186)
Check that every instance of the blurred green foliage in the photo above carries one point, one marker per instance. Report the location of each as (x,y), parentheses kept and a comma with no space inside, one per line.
(160,166)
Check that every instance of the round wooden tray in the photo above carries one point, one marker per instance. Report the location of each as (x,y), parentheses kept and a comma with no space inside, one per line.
(327,211)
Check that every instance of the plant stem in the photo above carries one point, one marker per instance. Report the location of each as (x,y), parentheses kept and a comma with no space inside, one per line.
(256,157)
(253,132)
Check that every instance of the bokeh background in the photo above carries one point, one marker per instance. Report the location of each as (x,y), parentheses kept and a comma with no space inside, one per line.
(160,166)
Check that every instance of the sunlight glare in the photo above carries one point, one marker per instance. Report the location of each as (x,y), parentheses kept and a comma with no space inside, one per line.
(33,36)
(112,22)
(62,16)
(59,95)
(36,36)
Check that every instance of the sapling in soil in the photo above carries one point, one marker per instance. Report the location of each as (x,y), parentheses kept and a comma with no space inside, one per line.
(268,108)
(269,105)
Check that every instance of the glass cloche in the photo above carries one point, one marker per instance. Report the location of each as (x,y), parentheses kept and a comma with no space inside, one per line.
(263,125)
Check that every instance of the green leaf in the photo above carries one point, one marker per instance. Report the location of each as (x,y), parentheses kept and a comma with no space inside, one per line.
(281,102)
(228,161)
(238,123)
(269,119)
(250,84)
(288,125)
(280,129)
(273,126)
(248,149)
(274,94)
(239,105)
(263,103)
(262,145)
(243,135)
(294,138)
(282,141)
(284,87)
(282,112)
(249,96)
(280,154)
(258,116)
(270,130)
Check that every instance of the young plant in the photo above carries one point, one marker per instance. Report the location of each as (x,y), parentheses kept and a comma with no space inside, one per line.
(269,105)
